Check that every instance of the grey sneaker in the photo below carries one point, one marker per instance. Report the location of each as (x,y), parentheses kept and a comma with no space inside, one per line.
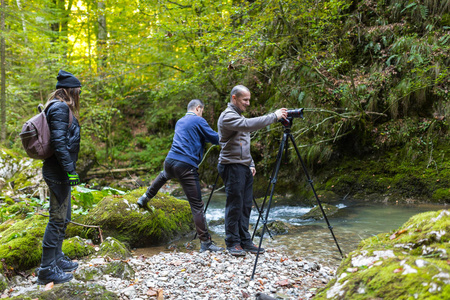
(252,248)
(236,250)
(142,201)
(209,245)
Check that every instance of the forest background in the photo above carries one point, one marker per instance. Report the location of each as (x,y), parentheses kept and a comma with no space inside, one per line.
(372,76)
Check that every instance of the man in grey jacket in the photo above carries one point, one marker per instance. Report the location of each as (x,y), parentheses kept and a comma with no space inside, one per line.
(236,167)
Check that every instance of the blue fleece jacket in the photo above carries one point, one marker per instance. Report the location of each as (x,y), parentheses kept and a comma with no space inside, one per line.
(191,134)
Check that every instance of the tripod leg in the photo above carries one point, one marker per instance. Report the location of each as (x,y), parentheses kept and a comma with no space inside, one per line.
(263,204)
(260,213)
(315,194)
(273,182)
(209,199)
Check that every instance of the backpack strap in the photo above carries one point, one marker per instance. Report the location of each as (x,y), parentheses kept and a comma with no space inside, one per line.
(41,108)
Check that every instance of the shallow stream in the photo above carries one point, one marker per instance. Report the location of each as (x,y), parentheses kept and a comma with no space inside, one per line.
(313,240)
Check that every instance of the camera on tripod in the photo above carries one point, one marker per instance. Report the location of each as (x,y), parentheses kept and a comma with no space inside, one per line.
(291,114)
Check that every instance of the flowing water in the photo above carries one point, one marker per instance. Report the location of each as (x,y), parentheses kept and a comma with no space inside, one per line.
(313,240)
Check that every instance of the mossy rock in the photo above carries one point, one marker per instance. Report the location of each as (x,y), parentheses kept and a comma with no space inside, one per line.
(3,282)
(77,247)
(409,263)
(18,210)
(114,249)
(316,213)
(70,291)
(442,195)
(116,268)
(276,228)
(21,246)
(121,218)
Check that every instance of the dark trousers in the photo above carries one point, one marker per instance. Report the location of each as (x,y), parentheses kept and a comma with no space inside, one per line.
(238,180)
(59,217)
(187,175)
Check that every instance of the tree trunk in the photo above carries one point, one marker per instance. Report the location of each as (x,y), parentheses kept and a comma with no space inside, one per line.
(3,74)
(24,25)
(101,35)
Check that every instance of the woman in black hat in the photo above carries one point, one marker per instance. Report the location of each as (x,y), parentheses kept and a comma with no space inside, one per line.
(60,175)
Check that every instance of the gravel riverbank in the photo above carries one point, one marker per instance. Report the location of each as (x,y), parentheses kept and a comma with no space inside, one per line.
(194,275)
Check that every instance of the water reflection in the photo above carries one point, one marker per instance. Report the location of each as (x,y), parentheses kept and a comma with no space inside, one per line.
(312,239)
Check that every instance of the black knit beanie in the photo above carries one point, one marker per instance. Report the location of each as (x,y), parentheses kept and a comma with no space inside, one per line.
(67,80)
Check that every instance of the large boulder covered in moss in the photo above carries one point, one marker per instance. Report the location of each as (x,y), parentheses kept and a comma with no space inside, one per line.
(120,217)
(409,263)
(20,244)
(70,291)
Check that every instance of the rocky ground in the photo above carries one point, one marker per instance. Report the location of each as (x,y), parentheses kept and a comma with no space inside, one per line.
(194,275)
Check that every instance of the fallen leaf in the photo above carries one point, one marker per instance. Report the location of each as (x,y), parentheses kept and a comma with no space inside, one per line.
(152,293)
(176,262)
(160,295)
(398,270)
(48,286)
(283,282)
(393,236)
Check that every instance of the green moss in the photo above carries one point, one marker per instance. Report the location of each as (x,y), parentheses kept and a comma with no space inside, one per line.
(76,247)
(3,282)
(71,291)
(120,217)
(119,269)
(441,195)
(409,263)
(113,248)
(21,243)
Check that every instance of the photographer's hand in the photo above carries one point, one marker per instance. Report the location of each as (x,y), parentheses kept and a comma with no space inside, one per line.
(281,113)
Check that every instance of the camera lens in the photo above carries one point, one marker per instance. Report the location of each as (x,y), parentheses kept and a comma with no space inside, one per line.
(295,113)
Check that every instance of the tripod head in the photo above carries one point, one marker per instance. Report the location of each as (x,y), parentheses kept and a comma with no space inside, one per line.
(291,114)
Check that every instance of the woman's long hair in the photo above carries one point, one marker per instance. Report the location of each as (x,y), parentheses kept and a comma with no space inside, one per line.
(69,95)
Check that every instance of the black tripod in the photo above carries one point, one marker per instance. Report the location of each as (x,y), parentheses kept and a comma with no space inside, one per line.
(284,146)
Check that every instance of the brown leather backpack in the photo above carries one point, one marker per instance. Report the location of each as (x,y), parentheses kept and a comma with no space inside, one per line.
(35,134)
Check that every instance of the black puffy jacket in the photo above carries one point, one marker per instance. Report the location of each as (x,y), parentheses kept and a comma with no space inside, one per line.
(65,142)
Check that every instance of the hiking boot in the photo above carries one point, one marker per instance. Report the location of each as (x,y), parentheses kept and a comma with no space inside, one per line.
(209,245)
(53,274)
(66,264)
(236,250)
(252,248)
(142,201)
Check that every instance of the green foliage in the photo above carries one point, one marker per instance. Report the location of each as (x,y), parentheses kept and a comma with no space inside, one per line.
(84,198)
(360,70)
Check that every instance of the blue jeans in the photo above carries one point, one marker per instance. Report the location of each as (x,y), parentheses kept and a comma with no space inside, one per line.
(238,180)
(187,175)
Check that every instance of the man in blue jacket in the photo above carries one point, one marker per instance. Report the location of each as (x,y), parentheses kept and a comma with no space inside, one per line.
(191,133)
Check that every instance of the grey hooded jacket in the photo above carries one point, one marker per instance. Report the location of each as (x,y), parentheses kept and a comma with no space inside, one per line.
(234,135)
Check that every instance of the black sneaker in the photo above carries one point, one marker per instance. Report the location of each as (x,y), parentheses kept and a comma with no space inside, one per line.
(66,264)
(209,245)
(142,201)
(252,248)
(236,250)
(54,274)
